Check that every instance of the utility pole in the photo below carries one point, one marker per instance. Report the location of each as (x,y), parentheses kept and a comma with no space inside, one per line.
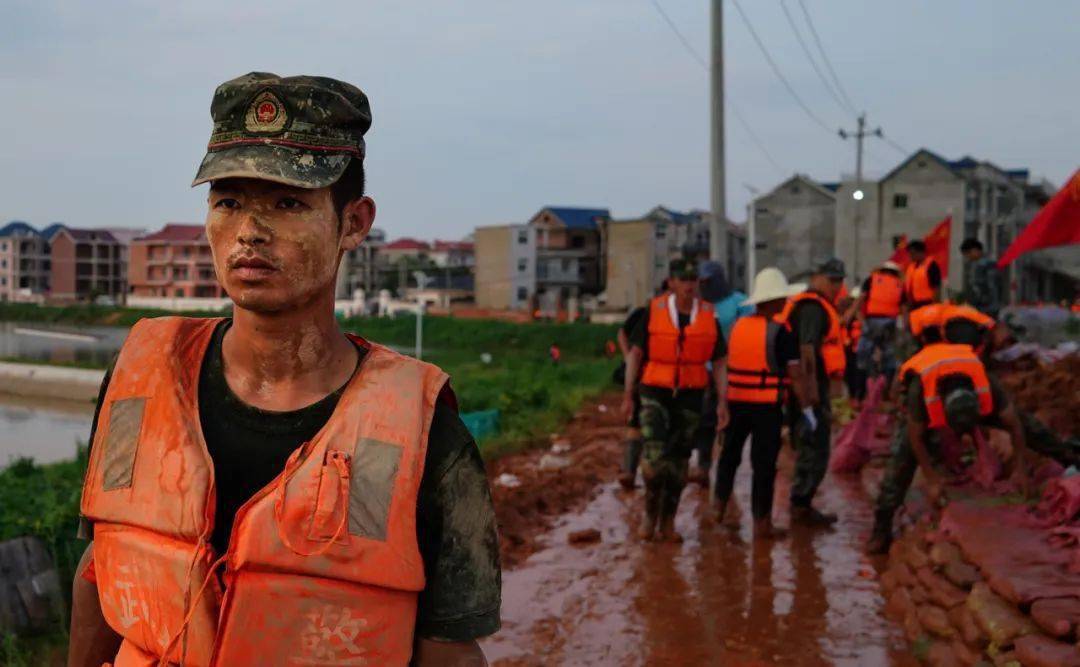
(718,249)
(858,195)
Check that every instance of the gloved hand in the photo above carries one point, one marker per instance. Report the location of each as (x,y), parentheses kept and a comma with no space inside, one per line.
(810,418)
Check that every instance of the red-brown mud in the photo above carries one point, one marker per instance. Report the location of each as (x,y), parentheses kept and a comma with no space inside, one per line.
(1048,391)
(718,598)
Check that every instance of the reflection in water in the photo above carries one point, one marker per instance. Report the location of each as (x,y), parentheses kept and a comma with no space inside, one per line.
(94,344)
(43,430)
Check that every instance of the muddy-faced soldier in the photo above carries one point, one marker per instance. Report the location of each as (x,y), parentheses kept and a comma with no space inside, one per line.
(265,489)
(676,340)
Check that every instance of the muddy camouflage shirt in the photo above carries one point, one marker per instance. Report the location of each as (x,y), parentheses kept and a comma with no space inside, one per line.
(455,521)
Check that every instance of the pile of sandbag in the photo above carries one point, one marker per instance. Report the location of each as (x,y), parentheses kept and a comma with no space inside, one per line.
(867,435)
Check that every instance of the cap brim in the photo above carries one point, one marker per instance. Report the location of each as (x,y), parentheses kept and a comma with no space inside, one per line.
(280,164)
(792,290)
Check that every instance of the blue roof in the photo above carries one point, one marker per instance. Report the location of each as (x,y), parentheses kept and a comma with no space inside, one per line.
(52,229)
(1023,174)
(18,226)
(966,162)
(578,218)
(831,186)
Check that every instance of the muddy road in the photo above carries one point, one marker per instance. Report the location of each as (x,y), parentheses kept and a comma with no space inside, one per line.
(717,599)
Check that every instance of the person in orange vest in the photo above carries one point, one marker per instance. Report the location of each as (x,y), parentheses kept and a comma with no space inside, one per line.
(879,307)
(812,318)
(762,356)
(265,489)
(922,280)
(854,377)
(674,345)
(947,387)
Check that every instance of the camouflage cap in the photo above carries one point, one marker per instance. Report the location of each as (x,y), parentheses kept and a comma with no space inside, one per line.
(297,130)
(962,410)
(684,269)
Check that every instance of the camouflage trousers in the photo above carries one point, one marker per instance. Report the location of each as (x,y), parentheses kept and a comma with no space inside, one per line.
(811,453)
(668,422)
(900,471)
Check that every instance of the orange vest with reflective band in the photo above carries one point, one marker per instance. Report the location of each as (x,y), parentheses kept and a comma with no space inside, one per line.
(917,282)
(677,357)
(938,360)
(832,347)
(954,311)
(754,376)
(323,566)
(925,317)
(886,294)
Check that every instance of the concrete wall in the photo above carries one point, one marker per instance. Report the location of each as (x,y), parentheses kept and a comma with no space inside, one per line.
(178,303)
(62,278)
(42,381)
(497,274)
(796,225)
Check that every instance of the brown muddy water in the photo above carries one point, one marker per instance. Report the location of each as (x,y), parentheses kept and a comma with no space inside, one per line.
(717,599)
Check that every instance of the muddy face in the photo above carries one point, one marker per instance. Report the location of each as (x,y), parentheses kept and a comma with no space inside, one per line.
(275,247)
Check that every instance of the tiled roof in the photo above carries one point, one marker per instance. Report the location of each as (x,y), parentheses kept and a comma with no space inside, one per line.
(175,231)
(89,234)
(407,244)
(18,227)
(453,245)
(578,218)
(52,229)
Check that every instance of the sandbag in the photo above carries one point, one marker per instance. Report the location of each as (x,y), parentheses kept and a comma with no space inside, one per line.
(1001,621)
(1058,617)
(1040,651)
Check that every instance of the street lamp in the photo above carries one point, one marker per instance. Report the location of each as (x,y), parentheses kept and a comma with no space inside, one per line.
(857,195)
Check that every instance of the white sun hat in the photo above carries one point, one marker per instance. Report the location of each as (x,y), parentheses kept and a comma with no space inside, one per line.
(891,265)
(770,284)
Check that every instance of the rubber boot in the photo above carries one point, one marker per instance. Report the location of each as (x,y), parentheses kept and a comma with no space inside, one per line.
(667,529)
(647,528)
(669,506)
(765,530)
(812,517)
(882,534)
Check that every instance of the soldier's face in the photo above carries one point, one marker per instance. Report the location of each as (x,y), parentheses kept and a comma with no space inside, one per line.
(275,247)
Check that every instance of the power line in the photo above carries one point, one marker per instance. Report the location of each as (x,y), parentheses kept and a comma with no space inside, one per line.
(897,147)
(776,70)
(705,66)
(813,61)
(821,49)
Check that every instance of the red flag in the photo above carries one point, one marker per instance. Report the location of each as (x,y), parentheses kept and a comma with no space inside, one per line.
(900,255)
(1058,223)
(937,245)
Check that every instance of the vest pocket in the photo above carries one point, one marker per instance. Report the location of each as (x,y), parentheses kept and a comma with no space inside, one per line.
(332,499)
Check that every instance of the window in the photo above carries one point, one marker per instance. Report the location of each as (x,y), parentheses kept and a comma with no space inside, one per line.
(523,264)
(522,294)
(3,281)
(3,246)
(899,200)
(3,263)
(661,231)
(577,242)
(566,265)
(523,237)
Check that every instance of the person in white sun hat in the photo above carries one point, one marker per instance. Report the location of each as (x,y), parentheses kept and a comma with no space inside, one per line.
(763,363)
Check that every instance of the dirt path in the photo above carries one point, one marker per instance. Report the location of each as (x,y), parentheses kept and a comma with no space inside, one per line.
(812,599)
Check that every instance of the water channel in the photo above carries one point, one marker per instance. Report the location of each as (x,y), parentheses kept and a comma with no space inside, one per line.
(49,430)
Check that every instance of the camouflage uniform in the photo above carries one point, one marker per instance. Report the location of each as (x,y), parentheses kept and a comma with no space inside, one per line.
(982,286)
(668,422)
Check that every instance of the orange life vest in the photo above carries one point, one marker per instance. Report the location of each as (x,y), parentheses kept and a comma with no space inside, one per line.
(886,294)
(955,311)
(925,317)
(917,282)
(323,565)
(677,357)
(832,347)
(754,376)
(938,360)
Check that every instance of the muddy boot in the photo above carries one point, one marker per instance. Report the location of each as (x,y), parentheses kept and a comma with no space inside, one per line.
(626,480)
(667,530)
(811,517)
(647,528)
(698,476)
(881,536)
(764,530)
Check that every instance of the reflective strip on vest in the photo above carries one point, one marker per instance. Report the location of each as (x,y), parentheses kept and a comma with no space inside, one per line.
(323,564)
(886,294)
(677,357)
(939,360)
(753,373)
(832,347)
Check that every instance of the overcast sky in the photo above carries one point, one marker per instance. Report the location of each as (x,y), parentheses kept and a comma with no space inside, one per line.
(486,110)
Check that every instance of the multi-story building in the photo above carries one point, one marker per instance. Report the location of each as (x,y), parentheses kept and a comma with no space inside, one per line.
(452,254)
(360,267)
(86,264)
(405,250)
(173,262)
(794,225)
(505,266)
(24,263)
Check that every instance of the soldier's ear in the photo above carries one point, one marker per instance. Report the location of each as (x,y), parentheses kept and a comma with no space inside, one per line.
(357,217)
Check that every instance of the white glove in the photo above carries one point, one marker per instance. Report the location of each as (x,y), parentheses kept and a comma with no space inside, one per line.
(810,417)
